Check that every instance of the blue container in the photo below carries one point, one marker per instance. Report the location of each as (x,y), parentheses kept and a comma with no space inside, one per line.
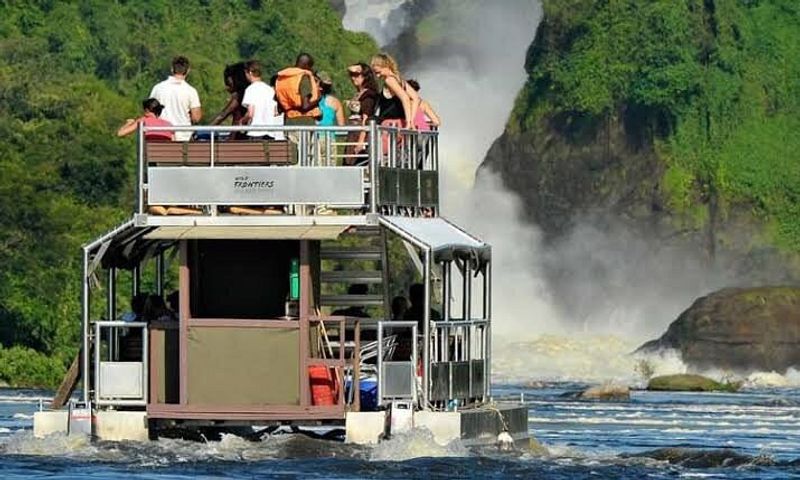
(368,393)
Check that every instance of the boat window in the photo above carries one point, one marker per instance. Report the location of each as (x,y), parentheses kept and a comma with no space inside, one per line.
(240,279)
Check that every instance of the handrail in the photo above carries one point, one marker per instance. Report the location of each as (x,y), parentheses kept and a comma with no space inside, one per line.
(400,168)
(460,323)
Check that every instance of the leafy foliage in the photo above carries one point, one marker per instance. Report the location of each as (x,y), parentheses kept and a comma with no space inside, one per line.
(717,82)
(70,73)
(25,367)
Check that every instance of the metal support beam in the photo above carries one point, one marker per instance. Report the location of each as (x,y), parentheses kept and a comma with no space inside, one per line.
(111,302)
(86,353)
(487,364)
(374,153)
(447,273)
(141,162)
(426,331)
(135,281)
(160,265)
(468,291)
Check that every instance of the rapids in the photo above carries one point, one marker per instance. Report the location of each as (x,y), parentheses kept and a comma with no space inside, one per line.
(752,434)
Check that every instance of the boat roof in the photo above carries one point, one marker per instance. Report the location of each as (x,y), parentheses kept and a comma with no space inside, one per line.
(445,240)
(131,242)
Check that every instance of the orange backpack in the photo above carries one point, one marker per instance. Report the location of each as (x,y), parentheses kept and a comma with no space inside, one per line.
(287,92)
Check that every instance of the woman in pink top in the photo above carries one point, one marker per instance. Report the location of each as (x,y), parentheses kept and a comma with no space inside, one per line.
(426,117)
(150,118)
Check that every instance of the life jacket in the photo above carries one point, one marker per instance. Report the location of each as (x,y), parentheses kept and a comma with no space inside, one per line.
(287,92)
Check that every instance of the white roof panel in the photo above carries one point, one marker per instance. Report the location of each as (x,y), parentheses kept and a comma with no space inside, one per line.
(443,238)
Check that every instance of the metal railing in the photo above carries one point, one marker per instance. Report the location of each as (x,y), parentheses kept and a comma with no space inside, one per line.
(395,173)
(119,381)
(460,355)
(397,376)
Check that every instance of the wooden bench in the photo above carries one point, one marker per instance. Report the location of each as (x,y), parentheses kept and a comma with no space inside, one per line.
(270,152)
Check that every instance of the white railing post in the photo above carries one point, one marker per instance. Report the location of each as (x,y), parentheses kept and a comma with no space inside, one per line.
(141,160)
(426,316)
(85,326)
(374,154)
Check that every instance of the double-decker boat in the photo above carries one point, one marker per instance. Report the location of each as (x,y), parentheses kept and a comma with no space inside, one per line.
(284,317)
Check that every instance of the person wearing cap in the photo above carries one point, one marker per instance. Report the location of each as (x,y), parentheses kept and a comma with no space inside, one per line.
(180,100)
(330,106)
(150,118)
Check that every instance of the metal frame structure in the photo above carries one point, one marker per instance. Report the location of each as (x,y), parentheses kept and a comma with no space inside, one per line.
(411,363)
(399,162)
(100,382)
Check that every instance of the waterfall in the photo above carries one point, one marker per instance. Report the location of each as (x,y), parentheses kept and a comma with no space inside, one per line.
(384,20)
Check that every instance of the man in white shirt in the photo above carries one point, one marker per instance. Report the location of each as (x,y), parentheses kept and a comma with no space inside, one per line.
(259,99)
(180,100)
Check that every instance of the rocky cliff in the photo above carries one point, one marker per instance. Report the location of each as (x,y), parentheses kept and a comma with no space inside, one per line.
(674,118)
(738,329)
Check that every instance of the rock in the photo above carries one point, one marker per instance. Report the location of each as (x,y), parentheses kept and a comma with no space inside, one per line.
(688,383)
(608,392)
(692,458)
(739,329)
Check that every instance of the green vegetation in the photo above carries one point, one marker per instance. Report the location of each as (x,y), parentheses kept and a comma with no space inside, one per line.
(685,382)
(714,83)
(70,73)
(25,367)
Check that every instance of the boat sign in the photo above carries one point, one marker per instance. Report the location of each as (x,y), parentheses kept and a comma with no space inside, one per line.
(255,185)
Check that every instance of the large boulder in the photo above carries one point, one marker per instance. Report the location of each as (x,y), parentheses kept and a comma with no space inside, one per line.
(739,329)
(608,392)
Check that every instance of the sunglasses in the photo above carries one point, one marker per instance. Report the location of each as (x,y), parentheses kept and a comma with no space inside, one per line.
(355,74)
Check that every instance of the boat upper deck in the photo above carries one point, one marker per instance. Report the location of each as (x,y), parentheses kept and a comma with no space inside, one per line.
(293,176)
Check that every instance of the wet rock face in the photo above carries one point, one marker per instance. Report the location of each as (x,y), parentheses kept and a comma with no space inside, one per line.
(739,329)
(567,164)
(692,458)
(607,393)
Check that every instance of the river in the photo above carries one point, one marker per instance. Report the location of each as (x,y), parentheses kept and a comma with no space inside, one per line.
(750,434)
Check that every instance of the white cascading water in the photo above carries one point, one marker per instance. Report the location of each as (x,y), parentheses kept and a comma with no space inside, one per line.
(474,89)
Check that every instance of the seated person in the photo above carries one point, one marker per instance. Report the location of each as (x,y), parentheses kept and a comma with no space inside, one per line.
(155,310)
(137,309)
(173,304)
(399,307)
(357,311)
(416,295)
(150,118)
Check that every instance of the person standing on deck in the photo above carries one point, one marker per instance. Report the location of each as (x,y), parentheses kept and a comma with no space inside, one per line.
(332,112)
(298,93)
(180,100)
(259,100)
(236,83)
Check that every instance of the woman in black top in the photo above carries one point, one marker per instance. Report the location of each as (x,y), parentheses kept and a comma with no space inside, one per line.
(398,102)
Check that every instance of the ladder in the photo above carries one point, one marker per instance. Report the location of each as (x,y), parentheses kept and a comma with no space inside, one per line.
(362,260)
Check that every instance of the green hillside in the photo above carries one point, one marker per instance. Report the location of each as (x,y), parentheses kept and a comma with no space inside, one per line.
(71,72)
(679,112)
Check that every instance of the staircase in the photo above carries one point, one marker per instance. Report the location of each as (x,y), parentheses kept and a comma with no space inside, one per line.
(364,262)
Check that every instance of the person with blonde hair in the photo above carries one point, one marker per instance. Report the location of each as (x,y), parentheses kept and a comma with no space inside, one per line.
(398,102)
